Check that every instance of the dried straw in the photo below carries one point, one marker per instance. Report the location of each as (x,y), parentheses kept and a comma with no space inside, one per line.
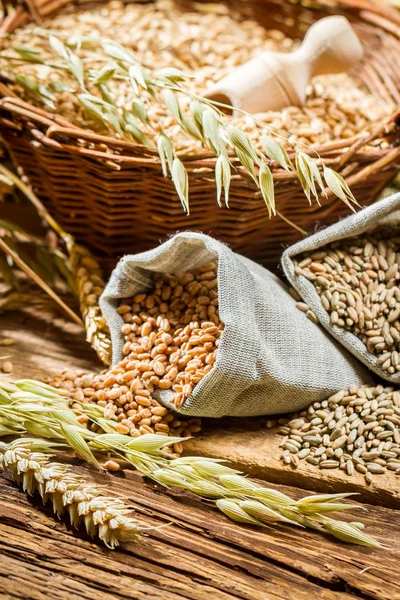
(90,285)
(39,281)
(87,274)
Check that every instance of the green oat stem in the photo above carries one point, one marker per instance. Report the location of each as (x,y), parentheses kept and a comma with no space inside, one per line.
(28,403)
(210,125)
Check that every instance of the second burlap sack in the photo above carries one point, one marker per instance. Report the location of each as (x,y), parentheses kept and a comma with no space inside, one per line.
(384,213)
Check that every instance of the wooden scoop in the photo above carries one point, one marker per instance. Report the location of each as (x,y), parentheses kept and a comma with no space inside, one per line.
(274,80)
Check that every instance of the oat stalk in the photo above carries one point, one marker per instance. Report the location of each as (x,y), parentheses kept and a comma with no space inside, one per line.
(104,517)
(203,121)
(37,409)
(238,497)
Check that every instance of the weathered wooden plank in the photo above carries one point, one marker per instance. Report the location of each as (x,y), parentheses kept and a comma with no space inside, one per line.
(44,347)
(248,445)
(158,567)
(320,557)
(198,553)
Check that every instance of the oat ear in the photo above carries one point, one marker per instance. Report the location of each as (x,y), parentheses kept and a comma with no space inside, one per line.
(203,121)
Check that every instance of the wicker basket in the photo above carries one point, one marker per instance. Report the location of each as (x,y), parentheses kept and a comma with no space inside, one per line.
(126,205)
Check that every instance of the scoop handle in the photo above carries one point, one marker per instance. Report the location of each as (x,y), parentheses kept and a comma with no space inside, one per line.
(330,46)
(273,80)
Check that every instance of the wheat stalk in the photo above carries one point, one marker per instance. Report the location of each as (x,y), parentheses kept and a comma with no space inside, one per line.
(39,410)
(87,275)
(107,518)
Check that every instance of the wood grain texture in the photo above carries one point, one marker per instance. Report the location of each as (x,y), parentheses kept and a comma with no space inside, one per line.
(44,345)
(198,554)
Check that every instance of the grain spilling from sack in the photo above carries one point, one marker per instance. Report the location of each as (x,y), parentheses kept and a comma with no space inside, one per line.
(132,418)
(357,280)
(354,430)
(172,334)
(171,337)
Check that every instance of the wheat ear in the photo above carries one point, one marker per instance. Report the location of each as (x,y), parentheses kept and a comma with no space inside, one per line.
(107,518)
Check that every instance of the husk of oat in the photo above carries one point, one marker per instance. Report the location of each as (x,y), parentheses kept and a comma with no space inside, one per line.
(199,120)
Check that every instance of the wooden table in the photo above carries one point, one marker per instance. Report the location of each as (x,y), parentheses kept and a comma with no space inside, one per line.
(198,554)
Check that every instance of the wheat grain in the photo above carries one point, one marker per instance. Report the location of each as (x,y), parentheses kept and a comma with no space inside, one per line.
(353,430)
(97,79)
(357,280)
(164,35)
(7,366)
(171,336)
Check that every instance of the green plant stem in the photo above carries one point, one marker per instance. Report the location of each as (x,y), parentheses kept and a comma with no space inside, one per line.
(236,496)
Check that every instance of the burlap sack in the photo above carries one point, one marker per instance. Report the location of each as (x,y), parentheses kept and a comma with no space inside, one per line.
(271,359)
(384,212)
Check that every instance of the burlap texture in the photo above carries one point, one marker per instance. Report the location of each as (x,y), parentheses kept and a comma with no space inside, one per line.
(384,212)
(271,358)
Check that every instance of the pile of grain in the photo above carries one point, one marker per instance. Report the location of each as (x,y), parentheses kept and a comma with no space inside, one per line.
(171,337)
(358,282)
(354,430)
(209,44)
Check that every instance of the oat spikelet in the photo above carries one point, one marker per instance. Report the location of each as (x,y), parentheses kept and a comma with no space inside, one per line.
(90,286)
(104,517)
(238,497)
